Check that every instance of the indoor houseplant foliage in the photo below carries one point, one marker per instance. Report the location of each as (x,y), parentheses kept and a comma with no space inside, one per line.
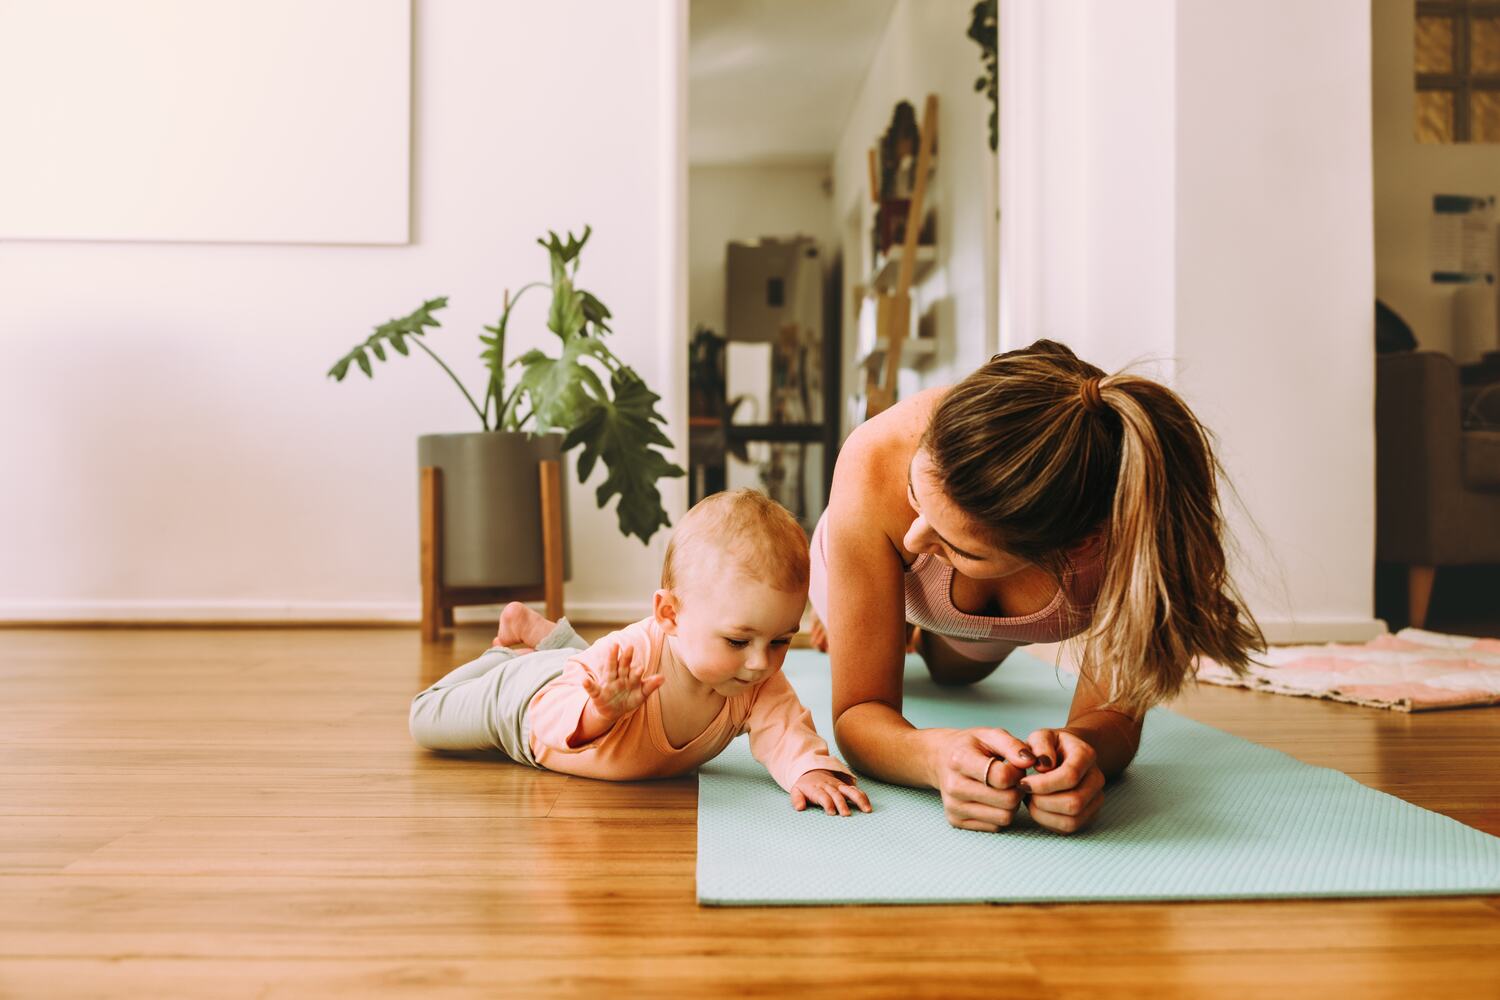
(983,29)
(583,396)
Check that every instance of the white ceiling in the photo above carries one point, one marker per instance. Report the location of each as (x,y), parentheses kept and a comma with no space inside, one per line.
(774,81)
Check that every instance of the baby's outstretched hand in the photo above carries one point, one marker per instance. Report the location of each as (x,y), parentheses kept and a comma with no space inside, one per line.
(829,790)
(621,687)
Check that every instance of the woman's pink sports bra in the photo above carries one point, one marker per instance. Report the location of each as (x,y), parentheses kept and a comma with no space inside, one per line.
(928,585)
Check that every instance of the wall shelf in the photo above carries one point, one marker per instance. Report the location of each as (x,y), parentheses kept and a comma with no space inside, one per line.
(915,351)
(888,266)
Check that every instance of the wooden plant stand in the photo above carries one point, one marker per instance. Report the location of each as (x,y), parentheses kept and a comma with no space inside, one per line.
(439,600)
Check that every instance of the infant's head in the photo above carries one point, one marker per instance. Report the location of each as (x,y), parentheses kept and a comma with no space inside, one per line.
(733,588)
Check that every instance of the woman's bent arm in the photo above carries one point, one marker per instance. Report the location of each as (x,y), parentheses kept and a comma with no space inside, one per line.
(1114,735)
(866,613)
(879,741)
(867,516)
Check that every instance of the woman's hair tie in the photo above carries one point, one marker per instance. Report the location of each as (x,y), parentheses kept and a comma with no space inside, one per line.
(1088,391)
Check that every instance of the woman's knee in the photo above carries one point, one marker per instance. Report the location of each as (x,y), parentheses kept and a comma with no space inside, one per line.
(948,667)
(959,674)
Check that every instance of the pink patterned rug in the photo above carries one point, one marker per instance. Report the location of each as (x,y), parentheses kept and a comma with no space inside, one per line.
(1411,671)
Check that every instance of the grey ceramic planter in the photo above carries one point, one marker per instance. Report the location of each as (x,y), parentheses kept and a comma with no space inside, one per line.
(492,513)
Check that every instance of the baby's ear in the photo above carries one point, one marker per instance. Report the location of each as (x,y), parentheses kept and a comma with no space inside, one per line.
(664,610)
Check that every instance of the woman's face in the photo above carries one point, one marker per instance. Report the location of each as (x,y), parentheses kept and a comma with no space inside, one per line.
(945,531)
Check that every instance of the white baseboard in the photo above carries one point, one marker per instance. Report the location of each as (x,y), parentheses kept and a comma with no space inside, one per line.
(1300,631)
(605,612)
(1279,631)
(276,612)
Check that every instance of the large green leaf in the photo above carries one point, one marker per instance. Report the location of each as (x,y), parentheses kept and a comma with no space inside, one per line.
(595,312)
(621,431)
(394,333)
(565,253)
(572,307)
(566,317)
(493,357)
(556,389)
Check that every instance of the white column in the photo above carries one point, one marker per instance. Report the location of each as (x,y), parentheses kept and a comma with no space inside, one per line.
(1167,195)
(1275,293)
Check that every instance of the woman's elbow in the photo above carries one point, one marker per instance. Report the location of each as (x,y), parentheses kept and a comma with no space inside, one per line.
(1115,768)
(1129,746)
(851,735)
(843,737)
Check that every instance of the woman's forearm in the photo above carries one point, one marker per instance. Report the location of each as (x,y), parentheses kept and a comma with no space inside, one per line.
(878,741)
(1114,736)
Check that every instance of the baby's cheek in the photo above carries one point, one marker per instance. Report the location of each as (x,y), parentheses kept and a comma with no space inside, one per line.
(723,668)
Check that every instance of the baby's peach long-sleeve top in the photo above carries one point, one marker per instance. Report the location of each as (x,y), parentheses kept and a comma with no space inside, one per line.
(781,730)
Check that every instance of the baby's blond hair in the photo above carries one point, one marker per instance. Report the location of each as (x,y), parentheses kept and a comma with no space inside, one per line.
(757,533)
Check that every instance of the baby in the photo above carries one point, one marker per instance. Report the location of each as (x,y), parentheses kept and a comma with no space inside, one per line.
(662,696)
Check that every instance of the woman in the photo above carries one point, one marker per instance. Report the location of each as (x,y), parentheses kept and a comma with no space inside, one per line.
(1036,500)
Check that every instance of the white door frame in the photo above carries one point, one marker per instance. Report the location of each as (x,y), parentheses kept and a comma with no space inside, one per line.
(1021,188)
(672,276)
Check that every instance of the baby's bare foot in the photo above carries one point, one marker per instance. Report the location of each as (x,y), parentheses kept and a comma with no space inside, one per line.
(521,626)
(515,621)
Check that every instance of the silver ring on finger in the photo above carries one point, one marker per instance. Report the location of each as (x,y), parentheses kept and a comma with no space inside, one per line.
(985,780)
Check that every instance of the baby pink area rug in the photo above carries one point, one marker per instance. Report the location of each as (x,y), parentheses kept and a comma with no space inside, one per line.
(1411,671)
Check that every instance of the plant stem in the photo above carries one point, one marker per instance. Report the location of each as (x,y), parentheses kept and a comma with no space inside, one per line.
(483,418)
(522,291)
(496,388)
(504,410)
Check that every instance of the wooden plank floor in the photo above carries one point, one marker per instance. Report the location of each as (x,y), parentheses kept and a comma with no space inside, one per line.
(200,812)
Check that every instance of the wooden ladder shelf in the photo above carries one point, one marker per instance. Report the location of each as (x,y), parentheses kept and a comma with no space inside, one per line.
(893,310)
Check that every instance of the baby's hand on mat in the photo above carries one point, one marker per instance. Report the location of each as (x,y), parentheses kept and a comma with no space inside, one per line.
(1068,787)
(621,687)
(829,790)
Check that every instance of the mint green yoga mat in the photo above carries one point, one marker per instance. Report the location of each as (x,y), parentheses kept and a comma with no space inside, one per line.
(1199,815)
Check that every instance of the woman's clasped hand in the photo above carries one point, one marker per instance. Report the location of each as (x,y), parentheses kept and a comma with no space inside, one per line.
(982,775)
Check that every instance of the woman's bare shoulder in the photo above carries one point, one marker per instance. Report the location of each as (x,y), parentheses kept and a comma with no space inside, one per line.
(870,475)
(892,434)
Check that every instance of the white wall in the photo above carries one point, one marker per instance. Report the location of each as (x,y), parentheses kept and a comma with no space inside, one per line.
(1275,292)
(1407,175)
(1087,241)
(926,50)
(1180,203)
(742,203)
(170,444)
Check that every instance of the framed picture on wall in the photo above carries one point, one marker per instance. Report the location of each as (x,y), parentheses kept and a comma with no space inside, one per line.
(276,121)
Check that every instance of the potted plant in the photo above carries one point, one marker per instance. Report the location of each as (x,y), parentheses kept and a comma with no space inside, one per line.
(584,396)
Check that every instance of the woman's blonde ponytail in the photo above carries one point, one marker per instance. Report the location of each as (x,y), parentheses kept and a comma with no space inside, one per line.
(1047,451)
(1166,597)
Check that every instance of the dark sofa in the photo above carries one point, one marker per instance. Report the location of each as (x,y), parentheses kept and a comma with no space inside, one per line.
(1437,470)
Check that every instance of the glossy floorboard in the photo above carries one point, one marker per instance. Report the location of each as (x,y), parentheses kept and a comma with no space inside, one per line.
(196,812)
